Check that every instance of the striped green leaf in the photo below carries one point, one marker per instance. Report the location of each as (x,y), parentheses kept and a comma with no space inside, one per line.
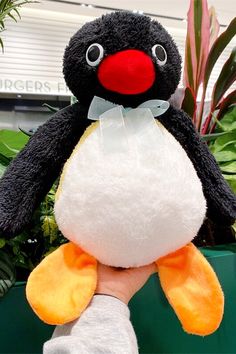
(197,44)
(7,273)
(226,78)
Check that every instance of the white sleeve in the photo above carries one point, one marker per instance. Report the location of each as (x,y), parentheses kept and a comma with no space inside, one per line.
(103,328)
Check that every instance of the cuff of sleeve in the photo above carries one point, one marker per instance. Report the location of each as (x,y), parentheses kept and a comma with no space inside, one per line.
(110,303)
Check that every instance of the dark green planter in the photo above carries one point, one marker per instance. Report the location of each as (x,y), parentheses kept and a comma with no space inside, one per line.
(20,329)
(156,326)
(158,329)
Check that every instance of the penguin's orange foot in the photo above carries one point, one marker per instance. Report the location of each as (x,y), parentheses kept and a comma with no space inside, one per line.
(192,289)
(62,285)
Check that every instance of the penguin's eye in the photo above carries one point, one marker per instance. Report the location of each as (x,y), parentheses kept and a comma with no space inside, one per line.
(159,53)
(94,54)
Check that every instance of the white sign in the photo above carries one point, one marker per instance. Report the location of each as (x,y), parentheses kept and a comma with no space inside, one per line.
(34,87)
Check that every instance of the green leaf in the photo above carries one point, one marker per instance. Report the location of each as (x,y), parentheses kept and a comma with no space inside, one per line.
(234,227)
(73,100)
(197,24)
(28,133)
(228,122)
(213,136)
(51,108)
(229,167)
(7,7)
(1,44)
(3,4)
(218,47)
(214,25)
(49,227)
(225,156)
(11,142)
(224,141)
(2,242)
(197,44)
(16,249)
(189,102)
(188,66)
(21,238)
(2,170)
(4,160)
(231,179)
(225,80)
(7,150)
(12,17)
(17,12)
(7,273)
(226,103)
(21,261)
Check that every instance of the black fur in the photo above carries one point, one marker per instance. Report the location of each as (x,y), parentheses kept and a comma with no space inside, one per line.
(116,32)
(221,202)
(31,174)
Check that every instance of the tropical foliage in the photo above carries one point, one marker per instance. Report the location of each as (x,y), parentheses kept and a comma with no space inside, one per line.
(10,9)
(40,237)
(223,146)
(7,273)
(203,49)
(216,123)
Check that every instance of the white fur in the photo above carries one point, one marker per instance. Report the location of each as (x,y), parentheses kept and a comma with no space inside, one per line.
(129,209)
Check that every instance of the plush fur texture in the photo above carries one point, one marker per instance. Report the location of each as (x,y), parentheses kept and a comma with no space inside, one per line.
(129,208)
(221,201)
(115,32)
(32,173)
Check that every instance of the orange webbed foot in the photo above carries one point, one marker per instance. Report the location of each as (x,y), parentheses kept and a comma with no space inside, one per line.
(192,289)
(62,285)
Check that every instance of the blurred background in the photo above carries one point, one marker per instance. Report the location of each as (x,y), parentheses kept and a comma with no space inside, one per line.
(31,65)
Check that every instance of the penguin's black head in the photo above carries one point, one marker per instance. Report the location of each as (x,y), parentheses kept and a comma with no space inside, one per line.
(124,58)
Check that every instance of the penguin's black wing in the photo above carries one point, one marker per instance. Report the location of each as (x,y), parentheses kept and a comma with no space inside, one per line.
(31,174)
(221,202)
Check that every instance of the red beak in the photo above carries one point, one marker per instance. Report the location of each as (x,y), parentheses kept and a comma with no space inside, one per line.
(128,72)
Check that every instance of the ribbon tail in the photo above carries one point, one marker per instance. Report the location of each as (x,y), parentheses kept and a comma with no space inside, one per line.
(113,131)
(157,107)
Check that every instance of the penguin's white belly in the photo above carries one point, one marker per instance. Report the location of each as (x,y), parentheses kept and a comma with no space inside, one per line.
(129,209)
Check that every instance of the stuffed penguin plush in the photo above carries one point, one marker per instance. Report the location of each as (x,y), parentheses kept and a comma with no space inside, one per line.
(135,185)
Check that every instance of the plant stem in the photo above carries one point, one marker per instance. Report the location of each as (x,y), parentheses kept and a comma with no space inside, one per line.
(199,119)
(216,122)
(212,128)
(207,123)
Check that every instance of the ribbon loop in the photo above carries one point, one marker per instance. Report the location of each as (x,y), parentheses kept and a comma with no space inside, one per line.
(120,126)
(99,106)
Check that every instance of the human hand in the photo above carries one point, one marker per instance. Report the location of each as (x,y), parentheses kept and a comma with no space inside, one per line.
(122,283)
